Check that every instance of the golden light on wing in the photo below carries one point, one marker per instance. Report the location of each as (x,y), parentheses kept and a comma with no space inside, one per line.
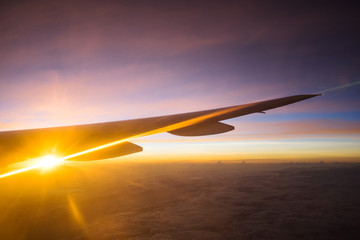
(18,171)
(214,115)
(168,128)
(46,162)
(50,161)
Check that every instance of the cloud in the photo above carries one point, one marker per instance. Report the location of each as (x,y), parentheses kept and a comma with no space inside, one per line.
(184,201)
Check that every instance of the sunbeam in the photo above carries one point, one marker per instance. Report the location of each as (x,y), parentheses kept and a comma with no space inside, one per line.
(75,211)
(50,161)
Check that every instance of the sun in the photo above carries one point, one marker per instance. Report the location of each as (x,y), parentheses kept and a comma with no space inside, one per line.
(45,163)
(49,161)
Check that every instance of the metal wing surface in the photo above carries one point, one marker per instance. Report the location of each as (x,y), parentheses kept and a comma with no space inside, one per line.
(111,139)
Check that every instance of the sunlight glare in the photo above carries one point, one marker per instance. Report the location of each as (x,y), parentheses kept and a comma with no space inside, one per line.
(48,162)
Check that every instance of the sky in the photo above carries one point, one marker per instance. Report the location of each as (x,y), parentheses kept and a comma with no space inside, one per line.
(74,62)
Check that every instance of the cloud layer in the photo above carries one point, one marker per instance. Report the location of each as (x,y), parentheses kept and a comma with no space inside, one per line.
(184,201)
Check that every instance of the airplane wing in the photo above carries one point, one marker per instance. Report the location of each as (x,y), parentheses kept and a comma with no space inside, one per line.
(111,139)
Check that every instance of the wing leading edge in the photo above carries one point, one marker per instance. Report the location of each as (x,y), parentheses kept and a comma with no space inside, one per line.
(20,145)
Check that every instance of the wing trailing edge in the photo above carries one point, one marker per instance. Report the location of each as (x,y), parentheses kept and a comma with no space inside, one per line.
(119,150)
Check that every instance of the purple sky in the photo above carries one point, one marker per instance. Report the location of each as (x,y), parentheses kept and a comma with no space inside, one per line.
(73,62)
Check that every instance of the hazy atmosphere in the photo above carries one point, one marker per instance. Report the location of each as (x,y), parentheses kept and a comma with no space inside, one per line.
(292,173)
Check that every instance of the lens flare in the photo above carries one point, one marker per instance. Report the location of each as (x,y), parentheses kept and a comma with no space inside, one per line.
(51,161)
(48,162)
